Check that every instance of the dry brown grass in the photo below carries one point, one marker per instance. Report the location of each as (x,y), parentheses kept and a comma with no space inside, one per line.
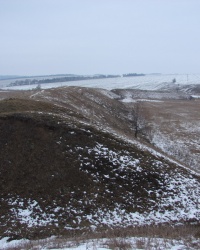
(150,237)
(178,121)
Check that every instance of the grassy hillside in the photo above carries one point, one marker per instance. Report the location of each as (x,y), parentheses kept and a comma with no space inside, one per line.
(58,174)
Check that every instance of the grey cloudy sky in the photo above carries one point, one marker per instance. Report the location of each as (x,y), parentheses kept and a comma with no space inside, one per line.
(99,36)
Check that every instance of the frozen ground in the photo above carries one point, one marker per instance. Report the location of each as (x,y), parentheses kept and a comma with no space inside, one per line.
(147,82)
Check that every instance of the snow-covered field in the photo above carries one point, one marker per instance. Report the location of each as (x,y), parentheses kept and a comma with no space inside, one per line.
(147,82)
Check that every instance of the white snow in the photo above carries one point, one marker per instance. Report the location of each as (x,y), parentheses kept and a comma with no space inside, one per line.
(196,96)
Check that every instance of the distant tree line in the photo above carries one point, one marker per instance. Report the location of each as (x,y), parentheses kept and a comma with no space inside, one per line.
(132,74)
(60,79)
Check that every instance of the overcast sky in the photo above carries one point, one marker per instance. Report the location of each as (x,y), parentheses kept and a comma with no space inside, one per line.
(99,36)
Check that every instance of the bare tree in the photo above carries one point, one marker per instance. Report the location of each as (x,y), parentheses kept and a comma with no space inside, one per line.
(139,119)
(38,87)
(174,80)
